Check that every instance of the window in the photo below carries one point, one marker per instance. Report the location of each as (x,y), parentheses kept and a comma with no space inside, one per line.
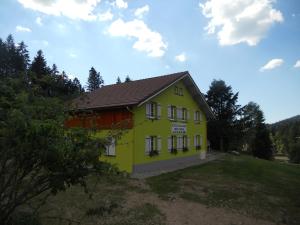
(185,143)
(172,112)
(172,144)
(178,91)
(110,148)
(153,145)
(180,143)
(182,114)
(197,116)
(197,142)
(153,110)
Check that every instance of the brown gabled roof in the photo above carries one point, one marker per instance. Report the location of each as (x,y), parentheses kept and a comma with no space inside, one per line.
(126,94)
(138,92)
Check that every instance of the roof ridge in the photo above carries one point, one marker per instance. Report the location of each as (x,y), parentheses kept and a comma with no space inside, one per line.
(165,75)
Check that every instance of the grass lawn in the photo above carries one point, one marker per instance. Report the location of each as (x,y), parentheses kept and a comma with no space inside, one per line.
(258,188)
(231,190)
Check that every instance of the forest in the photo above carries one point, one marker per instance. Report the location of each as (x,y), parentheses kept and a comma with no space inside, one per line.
(39,155)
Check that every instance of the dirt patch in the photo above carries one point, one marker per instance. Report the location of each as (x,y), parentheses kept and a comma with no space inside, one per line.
(181,212)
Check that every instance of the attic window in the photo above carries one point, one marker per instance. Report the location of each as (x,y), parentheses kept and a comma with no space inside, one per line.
(178,91)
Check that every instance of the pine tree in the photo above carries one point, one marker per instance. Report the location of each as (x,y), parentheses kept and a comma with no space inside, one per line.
(54,70)
(39,65)
(255,132)
(223,103)
(22,60)
(127,79)
(118,81)
(95,80)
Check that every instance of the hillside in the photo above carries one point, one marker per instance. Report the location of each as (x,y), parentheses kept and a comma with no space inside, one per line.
(285,122)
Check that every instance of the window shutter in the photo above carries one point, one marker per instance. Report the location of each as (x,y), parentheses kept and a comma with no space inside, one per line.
(112,147)
(159,143)
(187,114)
(179,113)
(200,116)
(169,143)
(147,144)
(195,140)
(201,140)
(188,142)
(179,143)
(195,115)
(148,110)
(169,111)
(158,111)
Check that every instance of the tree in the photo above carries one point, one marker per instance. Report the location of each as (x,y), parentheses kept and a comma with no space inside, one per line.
(22,60)
(54,71)
(127,79)
(118,81)
(223,103)
(255,132)
(38,154)
(95,80)
(39,65)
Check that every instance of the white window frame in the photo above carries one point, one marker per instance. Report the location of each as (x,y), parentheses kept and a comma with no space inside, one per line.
(153,110)
(152,143)
(110,149)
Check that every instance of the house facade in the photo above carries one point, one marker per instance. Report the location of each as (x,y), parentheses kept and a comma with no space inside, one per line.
(148,122)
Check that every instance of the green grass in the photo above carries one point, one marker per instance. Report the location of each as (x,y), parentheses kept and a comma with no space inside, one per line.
(259,188)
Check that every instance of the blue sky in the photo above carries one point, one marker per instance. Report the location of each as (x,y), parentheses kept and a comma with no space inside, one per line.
(253,45)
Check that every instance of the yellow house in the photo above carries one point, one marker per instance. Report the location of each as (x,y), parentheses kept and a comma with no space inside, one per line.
(150,122)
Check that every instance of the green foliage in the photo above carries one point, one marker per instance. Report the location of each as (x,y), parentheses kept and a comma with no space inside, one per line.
(223,103)
(38,154)
(286,137)
(95,80)
(118,80)
(256,136)
(294,152)
(127,79)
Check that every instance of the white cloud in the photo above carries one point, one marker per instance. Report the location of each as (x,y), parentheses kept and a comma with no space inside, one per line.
(272,64)
(106,16)
(148,41)
(38,21)
(238,21)
(139,12)
(73,9)
(297,64)
(22,29)
(121,4)
(181,57)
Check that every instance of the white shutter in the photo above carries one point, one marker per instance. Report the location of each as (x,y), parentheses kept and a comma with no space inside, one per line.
(179,113)
(169,143)
(158,111)
(148,110)
(159,143)
(112,147)
(147,144)
(169,111)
